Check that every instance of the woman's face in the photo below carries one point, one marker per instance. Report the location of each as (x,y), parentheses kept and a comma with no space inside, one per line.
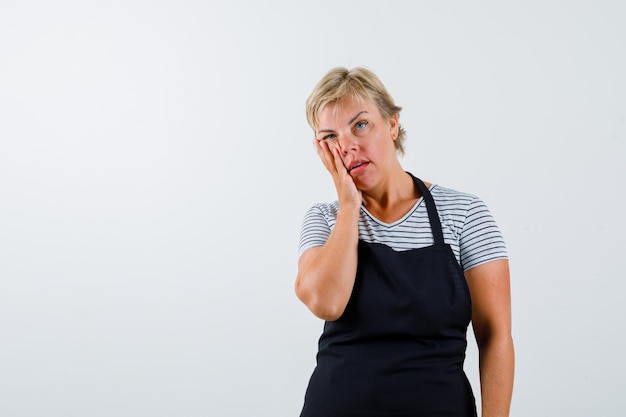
(365,139)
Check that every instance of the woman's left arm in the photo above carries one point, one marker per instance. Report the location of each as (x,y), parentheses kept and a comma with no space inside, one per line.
(489,286)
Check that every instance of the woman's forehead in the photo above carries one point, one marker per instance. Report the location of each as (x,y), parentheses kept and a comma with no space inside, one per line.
(345,108)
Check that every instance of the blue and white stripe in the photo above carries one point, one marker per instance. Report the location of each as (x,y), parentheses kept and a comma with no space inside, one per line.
(467,225)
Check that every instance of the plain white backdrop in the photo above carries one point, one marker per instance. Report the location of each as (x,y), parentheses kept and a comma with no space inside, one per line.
(155,165)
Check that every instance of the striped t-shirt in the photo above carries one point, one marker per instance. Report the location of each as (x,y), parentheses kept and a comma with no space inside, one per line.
(468,227)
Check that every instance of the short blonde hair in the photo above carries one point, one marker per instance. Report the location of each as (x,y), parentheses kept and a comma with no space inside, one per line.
(359,83)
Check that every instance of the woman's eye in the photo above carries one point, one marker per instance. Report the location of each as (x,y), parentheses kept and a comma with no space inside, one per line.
(330,136)
(360,125)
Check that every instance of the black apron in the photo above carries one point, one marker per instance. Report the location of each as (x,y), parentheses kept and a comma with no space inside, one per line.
(398,349)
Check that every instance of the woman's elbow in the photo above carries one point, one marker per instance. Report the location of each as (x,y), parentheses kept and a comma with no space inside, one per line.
(326,311)
(322,307)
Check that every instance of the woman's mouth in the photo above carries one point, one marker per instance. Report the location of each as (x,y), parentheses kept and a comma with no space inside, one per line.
(358,167)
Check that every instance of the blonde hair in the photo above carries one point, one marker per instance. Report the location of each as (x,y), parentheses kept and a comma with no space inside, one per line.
(359,83)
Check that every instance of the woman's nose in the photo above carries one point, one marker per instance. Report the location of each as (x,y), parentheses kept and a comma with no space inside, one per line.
(346,143)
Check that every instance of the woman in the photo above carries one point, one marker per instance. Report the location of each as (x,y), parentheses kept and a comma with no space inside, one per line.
(390,267)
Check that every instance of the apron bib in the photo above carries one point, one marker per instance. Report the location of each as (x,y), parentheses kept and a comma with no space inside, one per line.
(398,349)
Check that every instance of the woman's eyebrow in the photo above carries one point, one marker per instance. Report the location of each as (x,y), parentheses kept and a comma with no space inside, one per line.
(356,116)
(349,123)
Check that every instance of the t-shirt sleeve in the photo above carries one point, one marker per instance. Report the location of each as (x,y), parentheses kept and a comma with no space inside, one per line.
(481,240)
(315,230)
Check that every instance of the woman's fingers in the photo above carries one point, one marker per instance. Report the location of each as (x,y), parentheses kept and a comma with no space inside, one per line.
(329,158)
(337,160)
(334,156)
(330,155)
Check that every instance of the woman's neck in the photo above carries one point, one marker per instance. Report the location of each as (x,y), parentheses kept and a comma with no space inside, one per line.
(393,197)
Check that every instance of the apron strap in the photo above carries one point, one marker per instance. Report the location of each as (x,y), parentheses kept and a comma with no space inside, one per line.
(433,217)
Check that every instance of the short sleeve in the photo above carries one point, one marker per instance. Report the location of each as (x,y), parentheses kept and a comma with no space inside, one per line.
(481,240)
(315,230)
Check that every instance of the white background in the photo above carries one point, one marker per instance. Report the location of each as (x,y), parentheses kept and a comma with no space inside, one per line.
(155,165)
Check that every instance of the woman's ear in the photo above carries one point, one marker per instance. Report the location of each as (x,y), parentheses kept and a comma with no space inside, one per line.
(394,126)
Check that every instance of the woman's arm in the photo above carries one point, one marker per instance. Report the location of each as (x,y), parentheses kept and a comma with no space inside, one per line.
(326,273)
(489,286)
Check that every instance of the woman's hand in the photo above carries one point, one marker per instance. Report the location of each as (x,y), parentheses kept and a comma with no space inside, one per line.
(347,192)
(326,273)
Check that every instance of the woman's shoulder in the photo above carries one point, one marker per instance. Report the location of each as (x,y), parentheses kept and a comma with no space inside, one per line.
(328,209)
(448,197)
